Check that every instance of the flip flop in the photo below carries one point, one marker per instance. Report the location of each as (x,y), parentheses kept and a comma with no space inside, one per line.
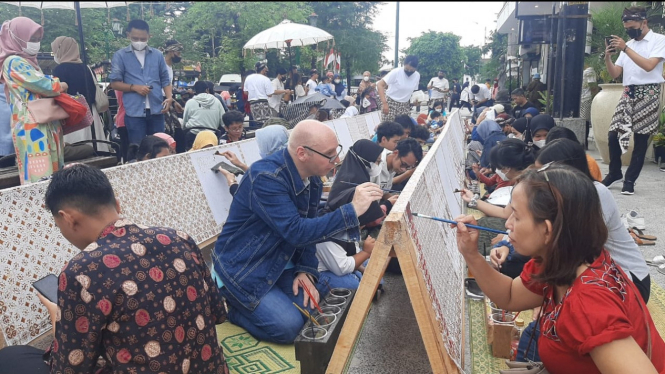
(657,261)
(640,241)
(640,234)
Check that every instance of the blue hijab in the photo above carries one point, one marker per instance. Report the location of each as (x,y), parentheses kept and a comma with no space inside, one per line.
(487,127)
(271,139)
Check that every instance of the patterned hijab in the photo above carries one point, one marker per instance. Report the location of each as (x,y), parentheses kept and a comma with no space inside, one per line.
(22,28)
(66,49)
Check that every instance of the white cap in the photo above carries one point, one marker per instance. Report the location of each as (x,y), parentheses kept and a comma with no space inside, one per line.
(498,108)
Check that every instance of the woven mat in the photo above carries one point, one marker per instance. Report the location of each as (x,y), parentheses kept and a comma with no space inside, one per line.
(481,352)
(245,355)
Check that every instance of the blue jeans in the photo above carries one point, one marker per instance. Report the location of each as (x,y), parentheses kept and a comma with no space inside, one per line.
(139,127)
(275,319)
(350,281)
(532,354)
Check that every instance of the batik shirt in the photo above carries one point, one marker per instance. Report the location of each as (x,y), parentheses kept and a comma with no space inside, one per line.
(141,298)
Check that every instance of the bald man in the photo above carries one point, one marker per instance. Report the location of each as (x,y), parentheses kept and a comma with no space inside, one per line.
(266,251)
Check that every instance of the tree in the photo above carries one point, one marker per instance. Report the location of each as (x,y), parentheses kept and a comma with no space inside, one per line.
(436,51)
(498,47)
(350,23)
(473,56)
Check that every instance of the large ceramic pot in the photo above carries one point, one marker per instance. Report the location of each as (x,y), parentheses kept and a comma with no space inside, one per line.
(602,110)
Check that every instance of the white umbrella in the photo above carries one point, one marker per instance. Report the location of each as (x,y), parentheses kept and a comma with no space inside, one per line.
(287,34)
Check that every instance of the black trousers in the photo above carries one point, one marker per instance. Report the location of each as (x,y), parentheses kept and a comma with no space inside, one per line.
(636,161)
(124,142)
(454,102)
(20,359)
(643,287)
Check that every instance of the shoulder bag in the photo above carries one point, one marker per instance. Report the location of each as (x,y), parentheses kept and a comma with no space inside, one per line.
(101,99)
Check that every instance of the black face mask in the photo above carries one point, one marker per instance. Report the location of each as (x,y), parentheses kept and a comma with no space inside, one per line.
(408,73)
(440,76)
(176,59)
(634,33)
(283,79)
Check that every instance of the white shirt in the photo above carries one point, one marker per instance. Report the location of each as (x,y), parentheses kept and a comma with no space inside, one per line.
(438,83)
(400,85)
(483,94)
(332,257)
(170,69)
(466,94)
(386,177)
(258,87)
(312,87)
(652,45)
(140,55)
(275,99)
(588,76)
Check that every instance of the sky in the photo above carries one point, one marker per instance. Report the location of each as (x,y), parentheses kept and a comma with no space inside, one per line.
(471,20)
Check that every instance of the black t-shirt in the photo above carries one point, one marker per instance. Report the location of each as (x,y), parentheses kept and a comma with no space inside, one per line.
(519,109)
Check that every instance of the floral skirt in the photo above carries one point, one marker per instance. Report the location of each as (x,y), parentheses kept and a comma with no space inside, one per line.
(395,108)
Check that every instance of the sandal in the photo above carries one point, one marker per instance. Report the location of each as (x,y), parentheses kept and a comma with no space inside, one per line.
(657,261)
(640,234)
(640,241)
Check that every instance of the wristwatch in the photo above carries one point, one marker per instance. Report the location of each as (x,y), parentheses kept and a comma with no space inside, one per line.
(473,203)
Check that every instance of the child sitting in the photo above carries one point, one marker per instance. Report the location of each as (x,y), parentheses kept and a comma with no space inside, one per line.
(324,87)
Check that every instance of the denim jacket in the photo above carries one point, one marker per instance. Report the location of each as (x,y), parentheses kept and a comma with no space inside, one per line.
(273,219)
(125,67)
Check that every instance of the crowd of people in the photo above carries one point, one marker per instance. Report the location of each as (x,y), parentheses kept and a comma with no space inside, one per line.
(140,298)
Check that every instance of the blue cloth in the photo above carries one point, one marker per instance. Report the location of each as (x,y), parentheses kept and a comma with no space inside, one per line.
(275,319)
(139,127)
(350,281)
(475,136)
(532,354)
(240,102)
(492,140)
(511,249)
(485,128)
(272,219)
(324,89)
(125,67)
(6,142)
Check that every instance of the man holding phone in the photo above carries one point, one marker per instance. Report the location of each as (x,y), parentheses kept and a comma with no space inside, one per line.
(139,72)
(141,297)
(641,62)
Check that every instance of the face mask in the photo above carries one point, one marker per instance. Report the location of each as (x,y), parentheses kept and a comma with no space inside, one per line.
(283,79)
(56,60)
(440,76)
(539,143)
(634,33)
(337,81)
(511,136)
(366,103)
(408,73)
(32,48)
(374,170)
(501,175)
(366,79)
(440,110)
(139,46)
(176,59)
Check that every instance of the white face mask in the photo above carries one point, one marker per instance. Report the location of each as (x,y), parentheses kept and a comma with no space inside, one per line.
(139,46)
(56,60)
(32,48)
(501,175)
(366,103)
(366,79)
(337,81)
(539,143)
(374,170)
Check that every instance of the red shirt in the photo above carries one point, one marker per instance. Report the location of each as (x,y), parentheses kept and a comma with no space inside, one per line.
(598,308)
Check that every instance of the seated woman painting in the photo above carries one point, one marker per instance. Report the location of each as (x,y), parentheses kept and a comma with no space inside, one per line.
(592,317)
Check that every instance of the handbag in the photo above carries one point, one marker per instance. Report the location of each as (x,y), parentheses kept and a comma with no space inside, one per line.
(101,99)
(77,107)
(45,110)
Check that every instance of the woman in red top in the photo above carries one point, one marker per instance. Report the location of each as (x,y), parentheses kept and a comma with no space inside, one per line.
(592,319)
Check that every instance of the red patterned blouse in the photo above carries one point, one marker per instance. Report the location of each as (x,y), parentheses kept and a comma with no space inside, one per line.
(141,298)
(598,308)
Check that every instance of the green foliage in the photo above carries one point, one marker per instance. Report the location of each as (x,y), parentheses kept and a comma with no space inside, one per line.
(473,56)
(498,47)
(350,24)
(437,50)
(546,100)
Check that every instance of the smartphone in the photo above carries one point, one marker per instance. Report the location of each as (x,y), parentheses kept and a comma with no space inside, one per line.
(608,40)
(230,168)
(48,286)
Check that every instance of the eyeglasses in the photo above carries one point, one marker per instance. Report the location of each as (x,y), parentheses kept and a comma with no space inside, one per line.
(331,159)
(404,166)
(231,129)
